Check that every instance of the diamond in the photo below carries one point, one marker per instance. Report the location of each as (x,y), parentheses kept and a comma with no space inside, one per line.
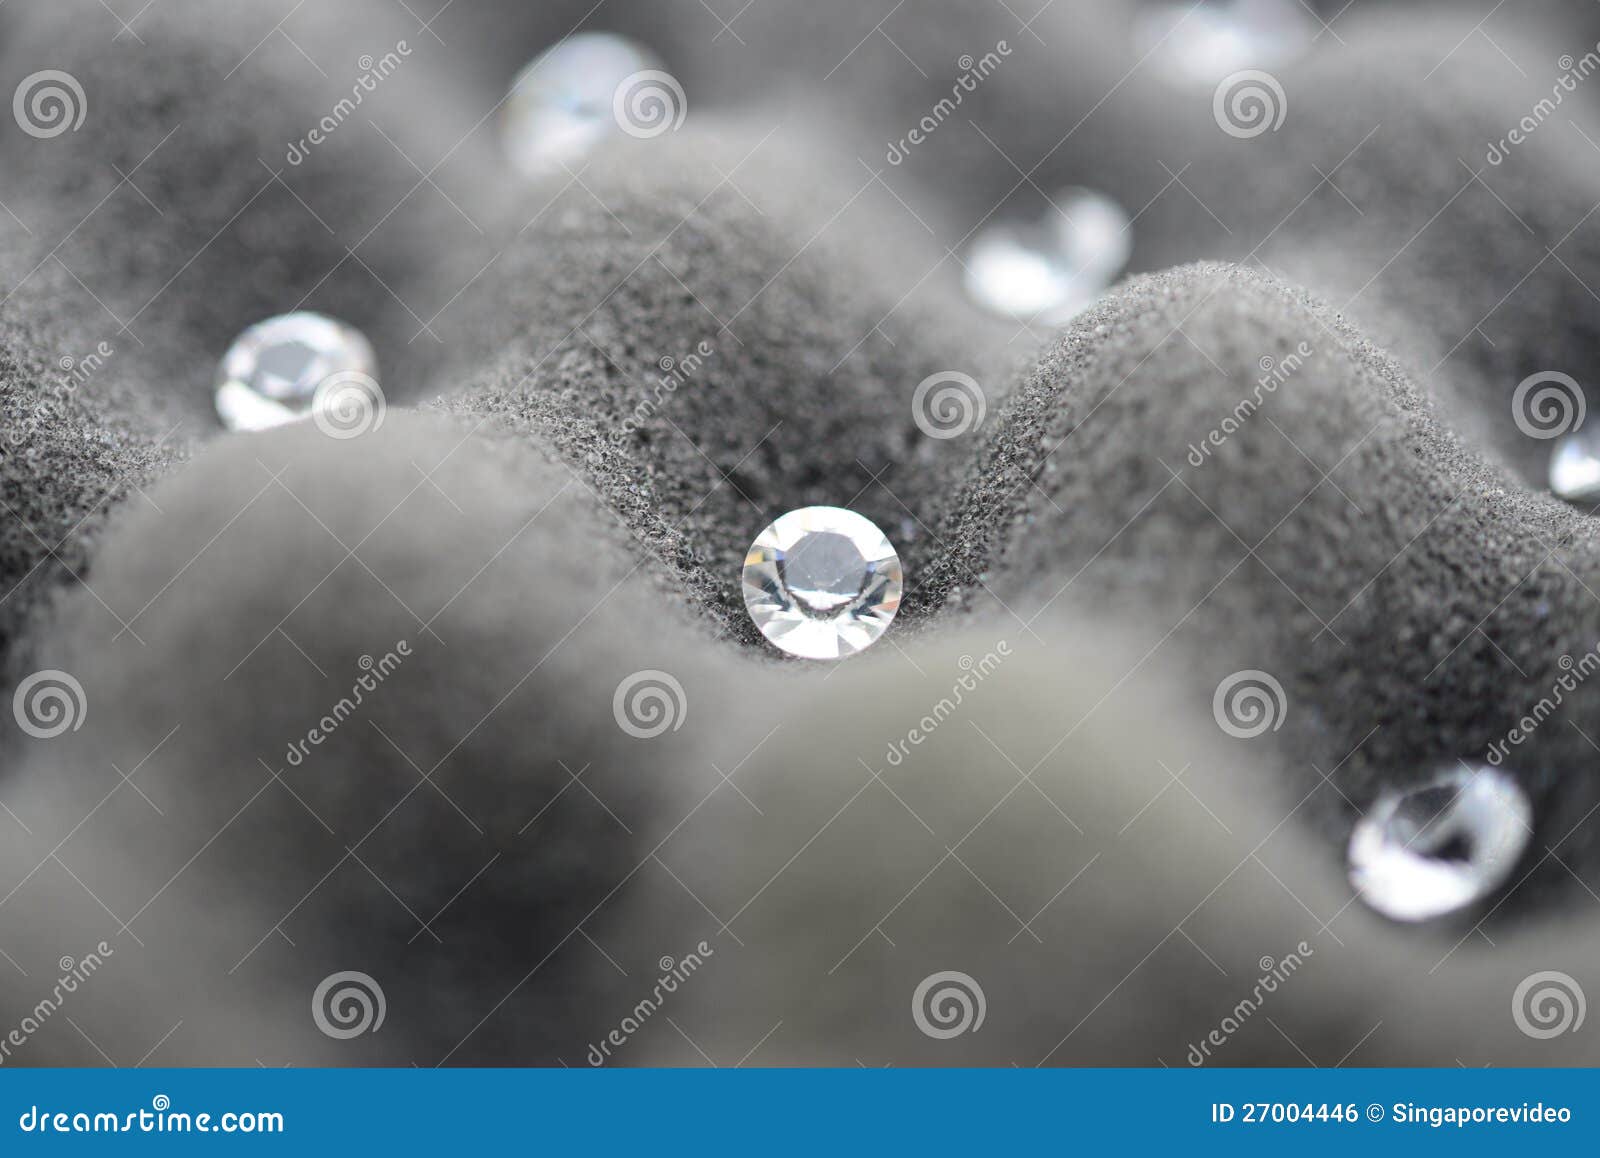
(1438,847)
(1050,265)
(270,375)
(562,105)
(1575,465)
(1202,43)
(822,582)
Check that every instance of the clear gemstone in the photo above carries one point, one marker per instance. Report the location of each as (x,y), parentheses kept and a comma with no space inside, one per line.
(1575,464)
(270,374)
(1201,43)
(1050,260)
(560,106)
(822,582)
(1438,847)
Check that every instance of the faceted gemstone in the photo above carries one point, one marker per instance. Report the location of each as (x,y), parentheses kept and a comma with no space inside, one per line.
(1433,849)
(822,582)
(1575,465)
(270,374)
(1046,261)
(560,106)
(1201,43)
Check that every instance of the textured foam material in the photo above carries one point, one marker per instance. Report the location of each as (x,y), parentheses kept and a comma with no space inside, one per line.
(600,387)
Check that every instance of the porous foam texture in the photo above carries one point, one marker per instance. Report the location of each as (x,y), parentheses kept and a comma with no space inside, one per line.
(468,704)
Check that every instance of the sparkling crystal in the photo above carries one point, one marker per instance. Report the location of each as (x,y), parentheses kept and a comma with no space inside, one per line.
(1575,464)
(1050,263)
(1201,43)
(1433,849)
(822,582)
(560,106)
(270,374)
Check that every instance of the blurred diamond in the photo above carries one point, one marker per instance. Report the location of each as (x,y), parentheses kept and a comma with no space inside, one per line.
(560,106)
(1200,43)
(1049,267)
(269,376)
(1575,465)
(822,582)
(1436,848)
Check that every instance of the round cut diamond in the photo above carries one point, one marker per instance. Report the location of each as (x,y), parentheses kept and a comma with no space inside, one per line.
(1575,465)
(1438,847)
(1050,265)
(822,582)
(561,106)
(269,376)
